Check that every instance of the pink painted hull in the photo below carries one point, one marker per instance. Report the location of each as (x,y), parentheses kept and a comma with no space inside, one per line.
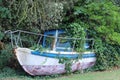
(53,69)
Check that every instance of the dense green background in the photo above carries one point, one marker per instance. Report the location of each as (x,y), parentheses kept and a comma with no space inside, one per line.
(100,18)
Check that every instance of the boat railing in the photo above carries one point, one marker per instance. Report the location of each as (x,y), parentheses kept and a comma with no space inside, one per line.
(20,38)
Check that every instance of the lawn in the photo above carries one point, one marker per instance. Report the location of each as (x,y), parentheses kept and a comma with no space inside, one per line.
(104,75)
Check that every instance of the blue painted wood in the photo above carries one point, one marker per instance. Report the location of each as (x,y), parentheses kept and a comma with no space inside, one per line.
(69,56)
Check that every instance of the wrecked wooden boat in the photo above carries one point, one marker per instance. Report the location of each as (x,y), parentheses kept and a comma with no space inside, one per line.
(56,48)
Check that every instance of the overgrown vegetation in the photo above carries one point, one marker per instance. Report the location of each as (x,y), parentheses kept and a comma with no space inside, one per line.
(98,19)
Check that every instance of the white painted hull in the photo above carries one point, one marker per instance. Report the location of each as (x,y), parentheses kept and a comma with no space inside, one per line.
(40,65)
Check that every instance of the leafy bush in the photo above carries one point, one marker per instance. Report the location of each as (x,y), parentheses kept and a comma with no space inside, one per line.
(101,20)
(7,58)
(6,71)
(107,55)
(33,15)
(75,30)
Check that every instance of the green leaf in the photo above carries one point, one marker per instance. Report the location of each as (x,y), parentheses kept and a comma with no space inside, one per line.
(1,35)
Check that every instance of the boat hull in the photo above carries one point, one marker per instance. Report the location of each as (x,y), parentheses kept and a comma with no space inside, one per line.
(41,65)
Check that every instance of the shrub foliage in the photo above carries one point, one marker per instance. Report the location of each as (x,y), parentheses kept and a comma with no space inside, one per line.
(100,19)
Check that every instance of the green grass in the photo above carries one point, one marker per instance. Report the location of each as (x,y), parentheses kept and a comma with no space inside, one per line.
(11,74)
(106,75)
